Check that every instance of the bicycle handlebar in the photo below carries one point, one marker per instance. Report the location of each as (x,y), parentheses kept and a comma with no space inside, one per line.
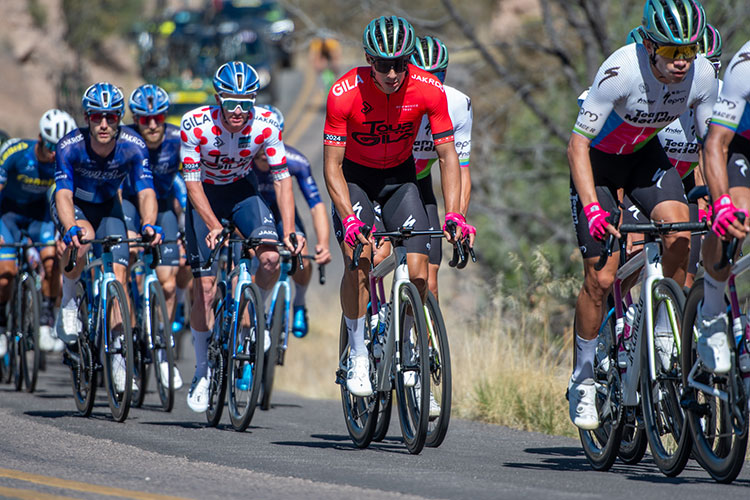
(729,248)
(107,242)
(606,252)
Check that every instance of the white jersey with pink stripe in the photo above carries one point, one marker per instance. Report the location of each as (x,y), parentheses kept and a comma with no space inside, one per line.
(626,105)
(214,155)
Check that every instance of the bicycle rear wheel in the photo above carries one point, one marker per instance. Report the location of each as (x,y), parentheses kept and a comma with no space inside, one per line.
(602,445)
(217,360)
(273,354)
(440,373)
(117,350)
(664,420)
(413,396)
(246,349)
(163,349)
(82,358)
(385,409)
(719,428)
(140,366)
(360,414)
(29,354)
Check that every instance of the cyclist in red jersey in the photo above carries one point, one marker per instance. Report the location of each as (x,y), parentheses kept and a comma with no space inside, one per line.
(372,118)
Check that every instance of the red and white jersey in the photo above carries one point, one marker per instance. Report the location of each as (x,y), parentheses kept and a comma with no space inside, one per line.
(213,155)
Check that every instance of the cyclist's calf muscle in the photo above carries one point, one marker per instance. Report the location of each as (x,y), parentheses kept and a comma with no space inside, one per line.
(596,285)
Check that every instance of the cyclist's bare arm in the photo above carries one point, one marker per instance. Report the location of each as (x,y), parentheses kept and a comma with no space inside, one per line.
(333,161)
(450,177)
(716,152)
(322,233)
(147,205)
(198,199)
(65,208)
(285,197)
(582,172)
(465,190)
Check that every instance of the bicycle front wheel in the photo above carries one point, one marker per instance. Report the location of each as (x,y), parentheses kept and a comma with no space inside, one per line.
(162,352)
(117,351)
(217,360)
(360,414)
(81,359)
(440,373)
(664,420)
(246,356)
(719,428)
(29,354)
(413,375)
(273,354)
(140,366)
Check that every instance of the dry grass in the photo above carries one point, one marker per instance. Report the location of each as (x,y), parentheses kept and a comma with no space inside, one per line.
(510,355)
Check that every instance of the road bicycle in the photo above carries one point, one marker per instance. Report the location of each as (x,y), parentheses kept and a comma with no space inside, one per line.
(24,355)
(106,337)
(399,358)
(279,317)
(639,366)
(235,349)
(152,335)
(716,405)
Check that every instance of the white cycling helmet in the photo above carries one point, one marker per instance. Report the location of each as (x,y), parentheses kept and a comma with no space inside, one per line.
(55,124)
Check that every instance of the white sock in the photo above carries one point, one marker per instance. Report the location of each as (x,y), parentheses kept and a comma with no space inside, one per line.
(356,330)
(200,340)
(299,295)
(584,363)
(68,292)
(713,296)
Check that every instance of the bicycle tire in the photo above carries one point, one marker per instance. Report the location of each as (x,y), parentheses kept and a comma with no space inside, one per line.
(83,368)
(28,351)
(633,443)
(163,349)
(602,445)
(413,401)
(360,413)
(664,420)
(119,403)
(140,366)
(440,371)
(217,360)
(385,410)
(719,448)
(273,354)
(241,410)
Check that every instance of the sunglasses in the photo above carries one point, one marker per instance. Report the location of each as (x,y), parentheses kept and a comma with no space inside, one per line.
(230,104)
(146,119)
(678,51)
(384,65)
(51,146)
(112,118)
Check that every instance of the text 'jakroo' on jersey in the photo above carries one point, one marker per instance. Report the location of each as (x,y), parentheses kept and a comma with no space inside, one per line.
(462,116)
(379,129)
(95,179)
(164,162)
(626,105)
(731,109)
(212,154)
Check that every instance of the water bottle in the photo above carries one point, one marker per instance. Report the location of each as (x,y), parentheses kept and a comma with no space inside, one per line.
(627,331)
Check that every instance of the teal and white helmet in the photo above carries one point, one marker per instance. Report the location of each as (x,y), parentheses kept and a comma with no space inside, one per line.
(389,37)
(636,35)
(674,22)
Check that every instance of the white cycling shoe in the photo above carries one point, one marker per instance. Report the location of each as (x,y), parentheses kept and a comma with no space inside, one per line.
(164,376)
(197,398)
(713,346)
(3,343)
(358,376)
(67,324)
(434,408)
(119,375)
(582,404)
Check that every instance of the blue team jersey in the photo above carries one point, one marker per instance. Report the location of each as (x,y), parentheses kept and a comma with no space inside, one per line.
(180,191)
(299,167)
(95,179)
(23,177)
(164,162)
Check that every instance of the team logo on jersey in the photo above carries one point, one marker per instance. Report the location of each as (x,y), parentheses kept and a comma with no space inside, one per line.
(345,86)
(382,133)
(610,72)
(218,142)
(744,57)
(742,164)
(643,87)
(726,102)
(366,108)
(658,177)
(409,222)
(589,114)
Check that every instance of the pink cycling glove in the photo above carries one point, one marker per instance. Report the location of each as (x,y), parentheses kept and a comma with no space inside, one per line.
(705,215)
(724,216)
(352,226)
(457,218)
(597,220)
(468,229)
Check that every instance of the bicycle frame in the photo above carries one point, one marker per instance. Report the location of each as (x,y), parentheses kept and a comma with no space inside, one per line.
(142,300)
(98,293)
(649,263)
(282,285)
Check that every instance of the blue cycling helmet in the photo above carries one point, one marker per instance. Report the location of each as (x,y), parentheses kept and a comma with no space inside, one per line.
(389,37)
(103,97)
(277,112)
(674,22)
(636,35)
(430,54)
(148,100)
(237,78)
